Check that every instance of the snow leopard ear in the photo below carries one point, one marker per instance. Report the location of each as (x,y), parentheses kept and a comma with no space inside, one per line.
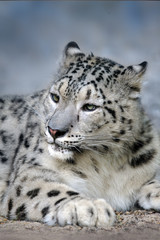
(133,74)
(72,49)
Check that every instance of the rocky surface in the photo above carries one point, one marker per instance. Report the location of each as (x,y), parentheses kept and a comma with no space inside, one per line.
(139,224)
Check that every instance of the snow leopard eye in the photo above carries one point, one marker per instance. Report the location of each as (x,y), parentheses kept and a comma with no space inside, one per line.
(89,107)
(54,97)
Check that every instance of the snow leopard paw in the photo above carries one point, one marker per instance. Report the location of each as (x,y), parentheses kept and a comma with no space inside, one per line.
(85,212)
(149,196)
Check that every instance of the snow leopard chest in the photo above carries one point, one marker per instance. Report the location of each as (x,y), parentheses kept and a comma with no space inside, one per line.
(100,179)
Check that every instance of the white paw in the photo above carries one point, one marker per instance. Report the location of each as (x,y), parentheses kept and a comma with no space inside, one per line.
(84,212)
(149,196)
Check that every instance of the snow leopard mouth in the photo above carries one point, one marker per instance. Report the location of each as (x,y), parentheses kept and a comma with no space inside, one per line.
(59,146)
(59,152)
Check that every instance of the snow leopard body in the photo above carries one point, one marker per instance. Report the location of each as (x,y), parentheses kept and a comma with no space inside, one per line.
(80,149)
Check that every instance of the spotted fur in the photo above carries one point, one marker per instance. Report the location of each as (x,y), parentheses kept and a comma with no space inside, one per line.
(75,151)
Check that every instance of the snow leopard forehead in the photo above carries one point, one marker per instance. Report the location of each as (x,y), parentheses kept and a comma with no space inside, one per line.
(92,74)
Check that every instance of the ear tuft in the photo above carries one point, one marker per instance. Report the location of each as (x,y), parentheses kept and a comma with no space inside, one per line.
(132,76)
(144,64)
(140,68)
(72,49)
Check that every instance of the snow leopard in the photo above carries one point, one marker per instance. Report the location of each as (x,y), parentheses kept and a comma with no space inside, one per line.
(81,149)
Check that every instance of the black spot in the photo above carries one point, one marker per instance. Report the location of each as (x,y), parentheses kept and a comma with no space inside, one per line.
(143,158)
(74,71)
(93,73)
(105,147)
(53,193)
(10,206)
(136,146)
(3,136)
(111,111)
(45,211)
(20,212)
(18,191)
(32,160)
(77,118)
(117,72)
(122,73)
(95,165)
(81,174)
(102,93)
(26,143)
(1,153)
(91,211)
(152,182)
(1,100)
(60,200)
(21,137)
(3,118)
(148,195)
(95,84)
(33,193)
(130,121)
(140,144)
(122,110)
(108,212)
(72,193)
(4,159)
(41,150)
(123,119)
(88,94)
(71,161)
(136,89)
(122,132)
(36,205)
(116,139)
(109,102)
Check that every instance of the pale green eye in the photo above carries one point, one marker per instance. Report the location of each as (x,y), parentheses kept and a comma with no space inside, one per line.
(55,97)
(89,107)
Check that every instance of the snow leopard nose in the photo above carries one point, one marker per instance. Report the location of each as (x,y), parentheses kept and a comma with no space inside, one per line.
(55,133)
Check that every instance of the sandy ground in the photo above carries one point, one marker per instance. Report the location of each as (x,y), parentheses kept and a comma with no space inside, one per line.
(140,224)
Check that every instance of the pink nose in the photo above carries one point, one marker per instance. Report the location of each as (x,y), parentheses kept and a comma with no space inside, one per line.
(55,133)
(52,132)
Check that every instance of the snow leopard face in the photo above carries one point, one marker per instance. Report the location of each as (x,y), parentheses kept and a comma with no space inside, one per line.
(92,105)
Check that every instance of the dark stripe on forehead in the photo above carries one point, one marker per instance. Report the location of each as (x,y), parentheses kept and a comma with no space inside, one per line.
(60,85)
(93,83)
(88,94)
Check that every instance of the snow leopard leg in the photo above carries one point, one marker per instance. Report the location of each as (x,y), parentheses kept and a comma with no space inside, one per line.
(53,203)
(149,195)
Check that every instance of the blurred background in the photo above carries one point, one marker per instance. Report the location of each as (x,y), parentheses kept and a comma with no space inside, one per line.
(33,35)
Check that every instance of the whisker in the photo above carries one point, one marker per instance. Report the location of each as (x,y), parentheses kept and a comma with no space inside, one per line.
(78,149)
(41,117)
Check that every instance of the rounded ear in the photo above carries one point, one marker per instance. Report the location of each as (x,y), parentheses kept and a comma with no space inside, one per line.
(132,76)
(70,55)
(136,71)
(72,49)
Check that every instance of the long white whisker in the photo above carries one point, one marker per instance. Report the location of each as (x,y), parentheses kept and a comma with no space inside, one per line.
(41,118)
(77,149)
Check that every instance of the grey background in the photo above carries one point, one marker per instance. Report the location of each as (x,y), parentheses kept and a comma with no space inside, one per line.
(33,36)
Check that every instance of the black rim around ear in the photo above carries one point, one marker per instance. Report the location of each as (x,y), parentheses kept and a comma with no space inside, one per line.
(71,45)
